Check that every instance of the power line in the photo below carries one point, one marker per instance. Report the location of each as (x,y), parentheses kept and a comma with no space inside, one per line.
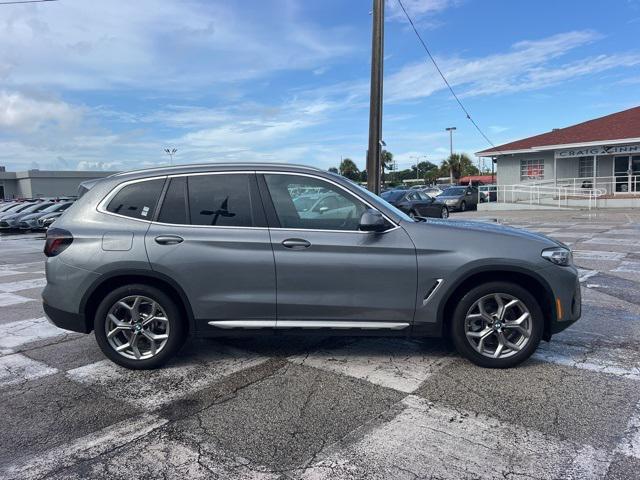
(16,2)
(435,64)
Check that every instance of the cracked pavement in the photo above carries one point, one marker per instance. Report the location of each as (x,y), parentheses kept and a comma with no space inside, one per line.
(333,408)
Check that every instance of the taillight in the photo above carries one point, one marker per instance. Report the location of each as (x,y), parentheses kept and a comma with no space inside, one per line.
(57,241)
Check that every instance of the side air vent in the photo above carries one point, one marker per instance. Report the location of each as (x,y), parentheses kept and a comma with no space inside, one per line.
(431,291)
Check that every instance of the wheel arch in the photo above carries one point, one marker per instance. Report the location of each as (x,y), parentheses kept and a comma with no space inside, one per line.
(528,279)
(109,282)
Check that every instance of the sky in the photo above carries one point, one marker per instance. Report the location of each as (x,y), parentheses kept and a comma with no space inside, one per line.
(90,84)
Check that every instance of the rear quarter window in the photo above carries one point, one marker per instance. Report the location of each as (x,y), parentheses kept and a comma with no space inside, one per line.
(137,200)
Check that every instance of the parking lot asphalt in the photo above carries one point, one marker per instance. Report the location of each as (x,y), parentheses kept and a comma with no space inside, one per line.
(333,408)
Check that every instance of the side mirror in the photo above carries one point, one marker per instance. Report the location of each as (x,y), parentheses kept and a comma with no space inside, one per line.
(372,221)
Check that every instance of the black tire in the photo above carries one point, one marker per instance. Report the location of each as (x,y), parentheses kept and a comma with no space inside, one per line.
(444,212)
(177,328)
(463,345)
(463,206)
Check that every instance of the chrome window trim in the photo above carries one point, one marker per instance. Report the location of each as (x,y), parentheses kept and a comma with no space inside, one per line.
(102,206)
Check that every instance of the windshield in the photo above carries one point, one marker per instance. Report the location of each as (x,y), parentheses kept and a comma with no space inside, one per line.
(53,208)
(453,192)
(376,199)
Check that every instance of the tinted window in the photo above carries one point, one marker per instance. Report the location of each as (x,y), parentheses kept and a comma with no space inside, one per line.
(393,195)
(453,192)
(223,200)
(174,205)
(333,209)
(137,200)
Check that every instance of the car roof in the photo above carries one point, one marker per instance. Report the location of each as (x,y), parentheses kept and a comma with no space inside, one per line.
(213,166)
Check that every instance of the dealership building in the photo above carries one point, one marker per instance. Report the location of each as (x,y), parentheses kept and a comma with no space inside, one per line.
(603,154)
(40,183)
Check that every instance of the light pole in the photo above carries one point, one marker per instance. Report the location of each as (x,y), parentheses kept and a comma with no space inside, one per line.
(417,159)
(450,130)
(171,152)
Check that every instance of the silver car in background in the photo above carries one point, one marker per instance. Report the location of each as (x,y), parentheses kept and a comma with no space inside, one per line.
(144,259)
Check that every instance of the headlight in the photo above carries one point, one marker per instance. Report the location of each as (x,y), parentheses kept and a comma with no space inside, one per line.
(558,255)
(451,201)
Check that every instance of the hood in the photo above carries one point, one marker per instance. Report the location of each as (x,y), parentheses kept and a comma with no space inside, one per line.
(491,228)
(29,216)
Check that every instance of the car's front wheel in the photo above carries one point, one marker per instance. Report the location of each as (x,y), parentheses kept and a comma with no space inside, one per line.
(444,213)
(463,206)
(497,325)
(139,327)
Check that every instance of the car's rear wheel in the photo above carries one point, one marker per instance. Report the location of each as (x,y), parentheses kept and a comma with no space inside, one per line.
(444,213)
(139,327)
(497,325)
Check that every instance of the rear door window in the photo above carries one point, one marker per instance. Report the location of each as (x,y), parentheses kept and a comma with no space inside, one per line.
(137,200)
(174,205)
(221,200)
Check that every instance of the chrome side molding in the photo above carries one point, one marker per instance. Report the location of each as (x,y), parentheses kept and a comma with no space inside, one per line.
(308,324)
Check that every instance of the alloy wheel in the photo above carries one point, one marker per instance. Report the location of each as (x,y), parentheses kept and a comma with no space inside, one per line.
(137,327)
(444,213)
(498,325)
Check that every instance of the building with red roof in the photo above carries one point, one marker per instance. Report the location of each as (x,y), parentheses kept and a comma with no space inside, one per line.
(603,152)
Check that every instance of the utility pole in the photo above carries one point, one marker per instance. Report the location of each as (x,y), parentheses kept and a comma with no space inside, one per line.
(417,159)
(375,101)
(450,130)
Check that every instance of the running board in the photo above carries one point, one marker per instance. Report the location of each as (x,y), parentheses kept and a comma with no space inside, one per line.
(308,324)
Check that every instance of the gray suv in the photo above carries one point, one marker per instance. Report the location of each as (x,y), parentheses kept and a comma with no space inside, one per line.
(146,258)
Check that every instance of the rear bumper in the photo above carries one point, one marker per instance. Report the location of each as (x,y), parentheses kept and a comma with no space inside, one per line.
(66,320)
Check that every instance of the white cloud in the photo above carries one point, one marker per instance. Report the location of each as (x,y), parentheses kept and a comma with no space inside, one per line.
(529,65)
(417,8)
(22,113)
(151,45)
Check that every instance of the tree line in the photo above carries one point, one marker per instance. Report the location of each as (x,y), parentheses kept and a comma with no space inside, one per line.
(456,165)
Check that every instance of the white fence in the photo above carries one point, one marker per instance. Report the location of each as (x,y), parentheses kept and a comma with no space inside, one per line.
(561,196)
(613,185)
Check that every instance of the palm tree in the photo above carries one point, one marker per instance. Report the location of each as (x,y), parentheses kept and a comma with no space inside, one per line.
(458,164)
(349,169)
(386,161)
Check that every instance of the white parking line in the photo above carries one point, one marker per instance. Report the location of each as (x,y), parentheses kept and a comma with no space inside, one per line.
(427,441)
(630,267)
(613,241)
(23,285)
(399,364)
(619,361)
(16,334)
(8,299)
(151,390)
(84,448)
(598,255)
(16,369)
(630,444)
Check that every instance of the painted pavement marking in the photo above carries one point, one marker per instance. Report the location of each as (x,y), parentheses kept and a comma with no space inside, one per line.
(584,275)
(153,389)
(627,266)
(425,441)
(630,444)
(399,364)
(85,448)
(22,285)
(613,241)
(8,299)
(614,361)
(16,369)
(598,255)
(15,334)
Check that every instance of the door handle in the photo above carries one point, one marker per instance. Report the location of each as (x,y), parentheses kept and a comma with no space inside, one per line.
(169,239)
(296,243)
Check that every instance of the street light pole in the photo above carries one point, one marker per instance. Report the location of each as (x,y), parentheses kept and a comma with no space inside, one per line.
(171,152)
(375,100)
(450,130)
(417,159)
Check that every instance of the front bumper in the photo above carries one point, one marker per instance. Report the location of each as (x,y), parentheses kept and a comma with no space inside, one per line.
(567,298)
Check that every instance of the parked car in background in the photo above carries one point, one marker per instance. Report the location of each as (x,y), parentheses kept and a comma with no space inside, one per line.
(145,259)
(460,198)
(16,208)
(12,221)
(415,203)
(45,222)
(30,221)
(4,206)
(432,191)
